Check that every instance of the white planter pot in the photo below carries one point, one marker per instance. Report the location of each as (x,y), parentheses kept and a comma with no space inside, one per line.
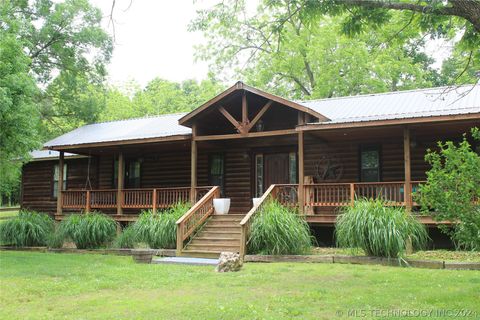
(221,205)
(256,201)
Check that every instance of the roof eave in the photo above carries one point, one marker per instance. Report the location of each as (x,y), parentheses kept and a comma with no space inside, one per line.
(387,122)
(180,137)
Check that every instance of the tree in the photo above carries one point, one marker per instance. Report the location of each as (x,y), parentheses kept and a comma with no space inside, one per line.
(53,57)
(438,19)
(18,115)
(160,96)
(68,50)
(70,101)
(452,190)
(306,60)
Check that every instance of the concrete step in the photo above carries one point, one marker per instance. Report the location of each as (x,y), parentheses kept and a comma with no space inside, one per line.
(186,260)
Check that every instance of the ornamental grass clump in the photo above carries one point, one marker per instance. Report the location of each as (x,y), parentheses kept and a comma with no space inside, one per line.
(159,230)
(379,230)
(278,230)
(90,230)
(127,239)
(28,229)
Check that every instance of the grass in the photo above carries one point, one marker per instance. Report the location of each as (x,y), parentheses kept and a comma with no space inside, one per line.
(447,255)
(379,230)
(159,230)
(71,286)
(89,231)
(28,228)
(8,214)
(277,229)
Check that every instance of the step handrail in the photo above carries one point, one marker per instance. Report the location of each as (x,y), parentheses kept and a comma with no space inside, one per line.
(246,221)
(203,208)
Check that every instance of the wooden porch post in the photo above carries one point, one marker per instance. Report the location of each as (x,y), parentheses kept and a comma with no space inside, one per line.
(193,163)
(301,170)
(120,180)
(61,160)
(154,201)
(87,202)
(408,179)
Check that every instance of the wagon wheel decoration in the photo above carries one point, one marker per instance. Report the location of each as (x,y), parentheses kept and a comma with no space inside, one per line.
(328,168)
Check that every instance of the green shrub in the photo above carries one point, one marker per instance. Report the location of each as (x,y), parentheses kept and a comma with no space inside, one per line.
(452,189)
(279,230)
(127,239)
(159,230)
(56,239)
(379,230)
(28,229)
(89,230)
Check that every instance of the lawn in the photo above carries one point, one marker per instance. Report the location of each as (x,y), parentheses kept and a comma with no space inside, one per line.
(48,285)
(8,214)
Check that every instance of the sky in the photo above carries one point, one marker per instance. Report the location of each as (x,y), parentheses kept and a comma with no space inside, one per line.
(151,40)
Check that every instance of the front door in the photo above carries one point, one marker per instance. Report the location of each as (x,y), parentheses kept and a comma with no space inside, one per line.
(276,169)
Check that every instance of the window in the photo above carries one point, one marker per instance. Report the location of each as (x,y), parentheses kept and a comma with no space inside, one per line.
(258,175)
(132,174)
(292,167)
(216,175)
(55,179)
(370,164)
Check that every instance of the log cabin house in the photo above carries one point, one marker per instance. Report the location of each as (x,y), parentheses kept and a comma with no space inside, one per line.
(244,143)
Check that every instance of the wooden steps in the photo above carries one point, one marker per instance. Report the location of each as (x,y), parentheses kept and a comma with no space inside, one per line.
(220,233)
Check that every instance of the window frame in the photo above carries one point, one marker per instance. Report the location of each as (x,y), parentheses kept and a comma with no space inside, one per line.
(56,168)
(211,157)
(367,148)
(259,162)
(126,173)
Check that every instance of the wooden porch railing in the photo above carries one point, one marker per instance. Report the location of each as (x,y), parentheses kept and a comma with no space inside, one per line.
(189,223)
(247,220)
(74,199)
(344,194)
(286,194)
(157,198)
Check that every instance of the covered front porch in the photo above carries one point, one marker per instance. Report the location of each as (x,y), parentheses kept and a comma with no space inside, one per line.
(319,172)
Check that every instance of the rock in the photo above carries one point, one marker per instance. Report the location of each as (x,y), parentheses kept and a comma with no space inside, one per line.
(229,261)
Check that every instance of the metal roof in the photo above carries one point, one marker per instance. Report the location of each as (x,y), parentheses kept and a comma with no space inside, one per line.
(400,104)
(383,106)
(38,155)
(124,130)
